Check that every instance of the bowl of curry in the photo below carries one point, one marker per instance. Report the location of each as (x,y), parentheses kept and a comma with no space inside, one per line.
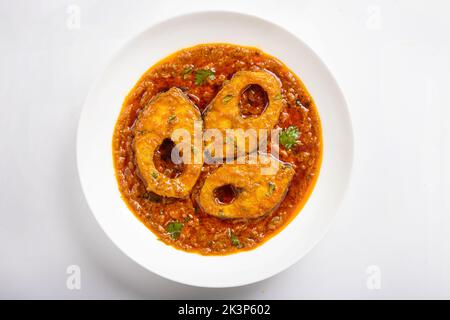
(205,83)
(215,149)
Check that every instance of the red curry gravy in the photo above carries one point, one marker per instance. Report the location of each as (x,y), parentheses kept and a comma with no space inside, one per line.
(181,222)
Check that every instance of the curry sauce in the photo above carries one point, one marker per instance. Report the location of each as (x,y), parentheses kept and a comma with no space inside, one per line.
(200,72)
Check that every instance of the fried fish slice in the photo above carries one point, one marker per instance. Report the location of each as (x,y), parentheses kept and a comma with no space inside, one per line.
(224,111)
(259,188)
(165,113)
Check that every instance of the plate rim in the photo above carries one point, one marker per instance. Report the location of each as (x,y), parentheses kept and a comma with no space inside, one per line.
(122,47)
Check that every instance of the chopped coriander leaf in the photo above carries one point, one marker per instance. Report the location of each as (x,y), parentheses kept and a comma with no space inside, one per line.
(187,219)
(154,174)
(171,118)
(151,196)
(227,98)
(174,229)
(186,72)
(271,188)
(202,76)
(289,136)
(234,239)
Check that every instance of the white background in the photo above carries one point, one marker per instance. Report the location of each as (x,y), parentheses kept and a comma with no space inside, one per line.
(392,60)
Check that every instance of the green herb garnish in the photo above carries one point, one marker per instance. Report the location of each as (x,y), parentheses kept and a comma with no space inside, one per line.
(278,97)
(171,118)
(289,136)
(234,239)
(154,175)
(227,98)
(202,75)
(271,188)
(186,72)
(174,229)
(151,196)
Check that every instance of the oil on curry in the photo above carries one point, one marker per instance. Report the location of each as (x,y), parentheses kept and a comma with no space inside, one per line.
(216,208)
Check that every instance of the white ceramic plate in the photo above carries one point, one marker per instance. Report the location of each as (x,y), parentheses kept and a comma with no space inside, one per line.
(95,164)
